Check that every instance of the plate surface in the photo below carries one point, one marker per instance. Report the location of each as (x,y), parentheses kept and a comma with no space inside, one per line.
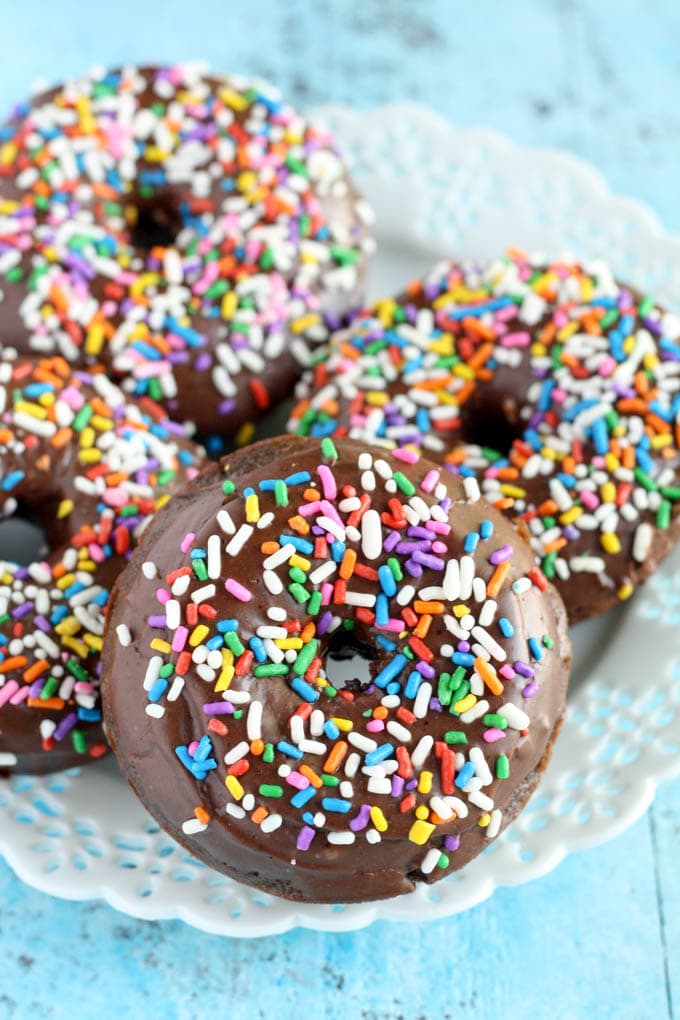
(437,190)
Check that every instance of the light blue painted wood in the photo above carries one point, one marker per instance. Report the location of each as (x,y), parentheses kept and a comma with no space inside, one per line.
(599,77)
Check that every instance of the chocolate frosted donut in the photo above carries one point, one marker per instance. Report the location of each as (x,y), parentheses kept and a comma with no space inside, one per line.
(89,466)
(552,384)
(230,712)
(192,232)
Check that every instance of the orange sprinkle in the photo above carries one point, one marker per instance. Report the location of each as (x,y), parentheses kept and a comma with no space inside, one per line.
(488,675)
(336,757)
(497,579)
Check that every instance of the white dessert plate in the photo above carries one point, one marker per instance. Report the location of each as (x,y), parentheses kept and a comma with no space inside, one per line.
(437,190)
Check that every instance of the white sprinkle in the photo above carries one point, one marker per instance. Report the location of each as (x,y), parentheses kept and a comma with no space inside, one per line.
(273,582)
(201,594)
(7,760)
(377,785)
(335,529)
(277,613)
(405,595)
(398,731)
(481,801)
(521,585)
(254,721)
(192,826)
(371,535)
(172,614)
(236,697)
(176,688)
(316,722)
(361,742)
(440,807)
(422,750)
(124,635)
(642,541)
(341,838)
(235,810)
(481,767)
(487,613)
(279,557)
(451,583)
(271,823)
(587,564)
(471,487)
(155,711)
(312,747)
(431,859)
(517,719)
(181,584)
(422,703)
(467,573)
(459,806)
(490,643)
(323,572)
(476,712)
(153,671)
(225,522)
(214,556)
(239,540)
(352,764)
(237,752)
(494,826)
(150,570)
(372,836)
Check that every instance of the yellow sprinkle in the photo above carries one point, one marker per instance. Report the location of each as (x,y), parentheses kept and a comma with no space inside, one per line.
(304,322)
(625,591)
(79,647)
(442,345)
(467,703)
(236,100)
(299,561)
(650,362)
(567,331)
(155,155)
(252,508)
(162,500)
(608,492)
(609,541)
(513,490)
(66,581)
(376,398)
(229,304)
(64,509)
(246,180)
(420,832)
(100,423)
(94,641)
(629,344)
(385,310)
(8,153)
(69,626)
(234,787)
(344,725)
(422,812)
(34,410)
(549,453)
(94,341)
(463,371)
(484,820)
(378,819)
(90,456)
(227,671)
(245,433)
(289,642)
(612,462)
(425,782)
(658,442)
(569,516)
(198,634)
(159,645)
(460,610)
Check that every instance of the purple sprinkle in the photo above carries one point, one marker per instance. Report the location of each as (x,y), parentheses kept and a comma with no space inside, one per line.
(360,821)
(530,689)
(305,837)
(65,726)
(397,786)
(524,669)
(452,842)
(218,708)
(501,555)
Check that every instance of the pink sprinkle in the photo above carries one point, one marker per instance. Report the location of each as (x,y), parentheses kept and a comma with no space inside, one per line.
(20,695)
(96,553)
(297,780)
(192,747)
(326,594)
(179,639)
(493,734)
(309,508)
(186,541)
(162,594)
(589,499)
(375,726)
(439,527)
(408,456)
(394,625)
(8,690)
(439,548)
(506,671)
(116,497)
(329,510)
(607,366)
(330,489)
(237,590)
(516,340)
(429,481)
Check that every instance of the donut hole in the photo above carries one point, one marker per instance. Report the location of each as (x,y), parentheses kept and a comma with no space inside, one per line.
(22,539)
(155,224)
(348,662)
(492,425)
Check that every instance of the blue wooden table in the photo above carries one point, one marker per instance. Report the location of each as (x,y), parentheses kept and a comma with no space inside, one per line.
(600,936)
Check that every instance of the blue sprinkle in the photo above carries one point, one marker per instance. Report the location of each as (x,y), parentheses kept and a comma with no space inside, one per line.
(336,805)
(12,479)
(486,529)
(303,797)
(507,629)
(535,649)
(382,612)
(391,671)
(387,581)
(471,542)
(331,729)
(300,544)
(225,626)
(465,775)
(412,684)
(158,689)
(89,714)
(288,749)
(379,754)
(463,659)
(257,648)
(304,690)
(600,437)
(298,478)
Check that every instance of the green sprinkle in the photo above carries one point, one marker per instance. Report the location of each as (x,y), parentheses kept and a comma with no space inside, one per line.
(548,642)
(443,861)
(238,713)
(502,766)
(82,418)
(499,721)
(228,487)
(76,670)
(645,480)
(314,604)
(305,656)
(268,754)
(395,567)
(329,780)
(166,670)
(455,737)
(49,688)
(199,568)
(299,593)
(234,643)
(328,450)
(404,483)
(271,669)
(298,575)
(79,742)
(280,492)
(663,515)
(270,790)
(671,492)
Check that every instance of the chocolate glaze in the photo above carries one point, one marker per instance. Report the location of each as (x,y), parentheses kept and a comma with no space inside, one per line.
(145,747)
(137,457)
(507,399)
(152,175)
